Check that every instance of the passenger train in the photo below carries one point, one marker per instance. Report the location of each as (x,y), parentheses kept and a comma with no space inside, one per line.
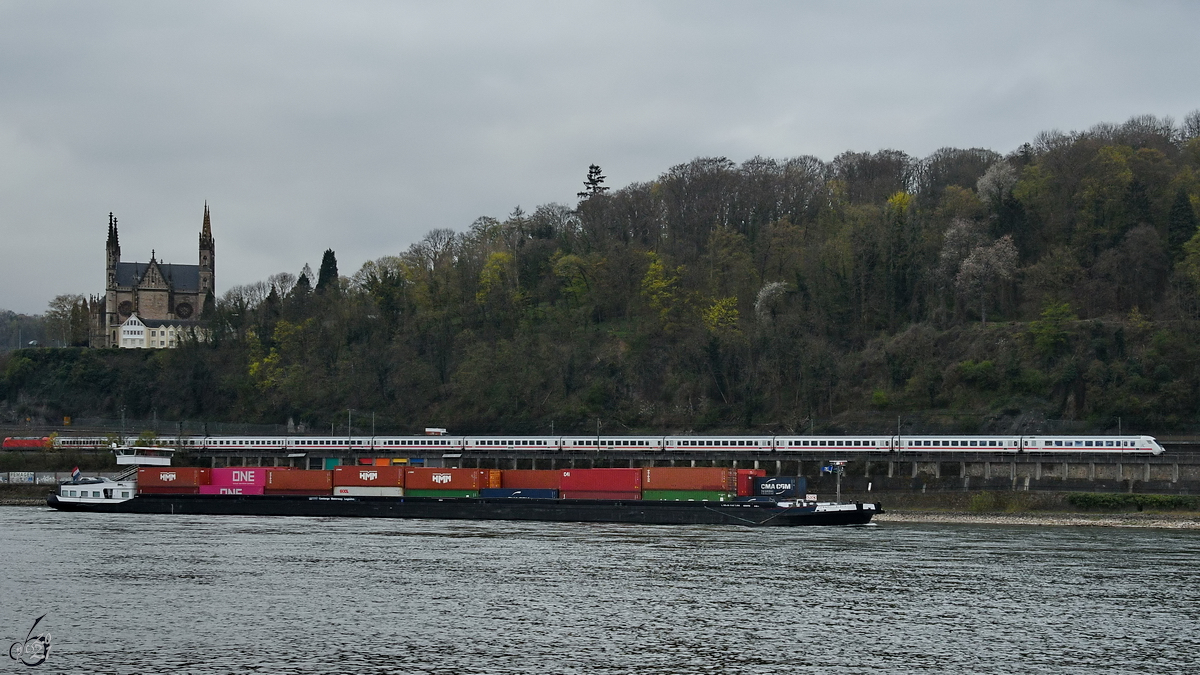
(1132,445)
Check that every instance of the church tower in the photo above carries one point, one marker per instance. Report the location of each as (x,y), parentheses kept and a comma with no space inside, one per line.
(208,255)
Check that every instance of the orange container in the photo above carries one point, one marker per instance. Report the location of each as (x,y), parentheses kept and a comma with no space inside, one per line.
(528,479)
(449,479)
(300,480)
(180,476)
(369,476)
(713,479)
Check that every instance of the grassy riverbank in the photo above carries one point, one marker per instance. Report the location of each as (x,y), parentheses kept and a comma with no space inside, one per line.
(24,495)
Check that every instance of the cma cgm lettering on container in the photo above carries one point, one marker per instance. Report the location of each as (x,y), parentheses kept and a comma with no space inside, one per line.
(574,444)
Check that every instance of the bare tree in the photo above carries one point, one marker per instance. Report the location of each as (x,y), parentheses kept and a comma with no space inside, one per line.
(283,282)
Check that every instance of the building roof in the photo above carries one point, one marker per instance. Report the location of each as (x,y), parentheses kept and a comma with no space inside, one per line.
(182,278)
(134,319)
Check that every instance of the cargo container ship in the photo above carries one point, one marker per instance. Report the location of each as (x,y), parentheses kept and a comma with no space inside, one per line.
(656,496)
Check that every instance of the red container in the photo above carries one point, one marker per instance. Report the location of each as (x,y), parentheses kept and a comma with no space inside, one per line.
(305,481)
(527,479)
(601,480)
(711,479)
(595,494)
(369,476)
(745,481)
(448,479)
(183,476)
(169,490)
(231,489)
(301,493)
(244,475)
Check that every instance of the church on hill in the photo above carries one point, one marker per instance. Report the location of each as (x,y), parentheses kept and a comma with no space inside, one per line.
(152,304)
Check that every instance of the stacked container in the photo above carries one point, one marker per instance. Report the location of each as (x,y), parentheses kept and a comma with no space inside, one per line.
(423,482)
(780,486)
(174,481)
(745,481)
(368,481)
(689,484)
(239,480)
(525,483)
(313,483)
(601,484)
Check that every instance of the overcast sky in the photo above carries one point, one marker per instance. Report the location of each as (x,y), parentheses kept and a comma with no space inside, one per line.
(361,126)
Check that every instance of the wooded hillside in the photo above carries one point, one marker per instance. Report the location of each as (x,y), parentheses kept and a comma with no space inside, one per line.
(1058,282)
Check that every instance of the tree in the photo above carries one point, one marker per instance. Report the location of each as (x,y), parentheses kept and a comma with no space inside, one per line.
(67,320)
(984,267)
(594,184)
(997,183)
(1181,224)
(329,271)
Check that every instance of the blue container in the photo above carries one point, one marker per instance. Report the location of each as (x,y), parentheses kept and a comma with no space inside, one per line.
(518,493)
(780,486)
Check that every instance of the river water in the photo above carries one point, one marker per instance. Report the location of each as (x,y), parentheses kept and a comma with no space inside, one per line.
(212,594)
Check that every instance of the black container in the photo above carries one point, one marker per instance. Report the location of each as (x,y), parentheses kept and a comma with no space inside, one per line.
(780,486)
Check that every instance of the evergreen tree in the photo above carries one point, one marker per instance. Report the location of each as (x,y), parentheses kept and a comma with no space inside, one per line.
(329,271)
(594,184)
(1181,224)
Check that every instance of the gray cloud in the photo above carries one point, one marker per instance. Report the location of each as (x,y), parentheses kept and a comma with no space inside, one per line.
(359,127)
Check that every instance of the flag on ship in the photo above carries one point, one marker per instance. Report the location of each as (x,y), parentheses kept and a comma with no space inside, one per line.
(75,473)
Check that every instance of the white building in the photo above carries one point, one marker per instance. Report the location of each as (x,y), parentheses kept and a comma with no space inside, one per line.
(139,333)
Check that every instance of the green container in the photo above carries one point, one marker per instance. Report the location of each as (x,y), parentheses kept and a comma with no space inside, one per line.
(441,493)
(686,496)
(331,462)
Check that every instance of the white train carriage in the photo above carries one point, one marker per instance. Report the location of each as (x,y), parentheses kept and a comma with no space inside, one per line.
(956,444)
(339,443)
(718,443)
(1131,445)
(233,443)
(834,443)
(391,443)
(613,443)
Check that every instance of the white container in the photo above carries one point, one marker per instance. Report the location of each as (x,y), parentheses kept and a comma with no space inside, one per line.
(365,491)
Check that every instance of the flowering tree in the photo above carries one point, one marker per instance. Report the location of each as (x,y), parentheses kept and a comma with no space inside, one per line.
(984,267)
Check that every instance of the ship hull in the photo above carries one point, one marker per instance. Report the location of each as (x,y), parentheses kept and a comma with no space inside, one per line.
(754,514)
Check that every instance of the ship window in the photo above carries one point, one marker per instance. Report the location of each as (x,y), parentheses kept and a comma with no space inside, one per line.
(95,493)
(124,494)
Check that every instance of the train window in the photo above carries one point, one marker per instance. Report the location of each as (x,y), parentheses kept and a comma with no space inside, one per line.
(1087,444)
(1108,444)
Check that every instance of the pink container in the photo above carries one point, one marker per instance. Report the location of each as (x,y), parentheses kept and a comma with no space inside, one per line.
(231,489)
(241,475)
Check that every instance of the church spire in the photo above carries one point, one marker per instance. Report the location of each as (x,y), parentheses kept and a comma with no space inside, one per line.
(206,230)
